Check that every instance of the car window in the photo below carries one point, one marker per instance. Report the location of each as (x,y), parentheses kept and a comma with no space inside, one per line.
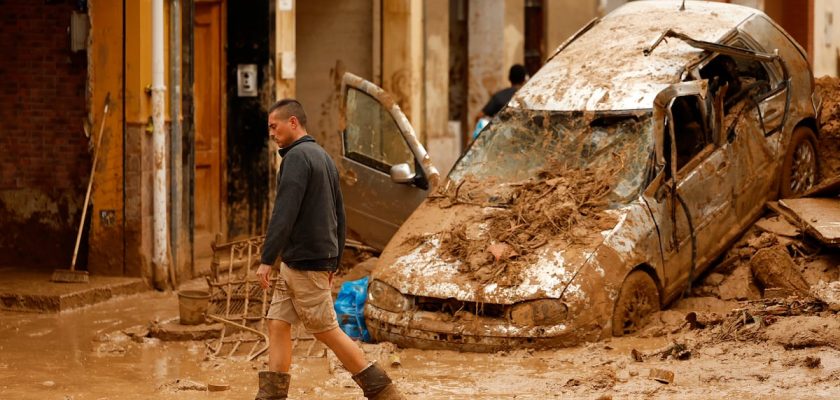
(372,137)
(519,144)
(690,130)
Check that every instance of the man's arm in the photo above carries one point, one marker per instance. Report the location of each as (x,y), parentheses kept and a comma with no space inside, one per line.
(291,186)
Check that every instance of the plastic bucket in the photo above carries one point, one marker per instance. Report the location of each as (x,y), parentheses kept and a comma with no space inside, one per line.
(192,304)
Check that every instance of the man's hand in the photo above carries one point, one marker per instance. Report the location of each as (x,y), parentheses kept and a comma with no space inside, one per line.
(263,272)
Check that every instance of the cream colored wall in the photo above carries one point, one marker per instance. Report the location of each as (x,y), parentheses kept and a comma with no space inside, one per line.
(443,146)
(492,50)
(826,37)
(514,34)
(485,53)
(329,33)
(565,17)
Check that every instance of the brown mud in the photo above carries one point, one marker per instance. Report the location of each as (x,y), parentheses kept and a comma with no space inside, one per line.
(96,353)
(559,203)
(829,139)
(733,338)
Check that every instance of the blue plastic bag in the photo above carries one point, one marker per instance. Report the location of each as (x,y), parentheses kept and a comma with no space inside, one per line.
(349,308)
(479,126)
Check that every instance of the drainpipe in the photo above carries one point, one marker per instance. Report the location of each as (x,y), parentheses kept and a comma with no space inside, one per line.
(160,262)
(175,156)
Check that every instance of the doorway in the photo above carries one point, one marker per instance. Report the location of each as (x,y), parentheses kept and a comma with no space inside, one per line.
(209,128)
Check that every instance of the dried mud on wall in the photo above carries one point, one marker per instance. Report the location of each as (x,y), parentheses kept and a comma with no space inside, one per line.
(38,227)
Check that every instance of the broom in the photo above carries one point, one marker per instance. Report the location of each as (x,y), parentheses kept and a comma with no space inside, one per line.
(71,275)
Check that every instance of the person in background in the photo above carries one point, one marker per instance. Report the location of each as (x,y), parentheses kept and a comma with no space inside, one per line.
(517,76)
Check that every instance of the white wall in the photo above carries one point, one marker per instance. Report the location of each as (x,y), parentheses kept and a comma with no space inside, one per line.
(565,17)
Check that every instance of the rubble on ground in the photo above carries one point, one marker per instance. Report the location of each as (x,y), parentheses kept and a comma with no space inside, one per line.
(773,267)
(828,293)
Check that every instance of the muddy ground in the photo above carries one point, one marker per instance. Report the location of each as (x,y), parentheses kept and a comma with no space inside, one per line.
(729,339)
(731,336)
(86,354)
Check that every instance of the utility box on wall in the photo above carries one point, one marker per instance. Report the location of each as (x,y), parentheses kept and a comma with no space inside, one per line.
(246,80)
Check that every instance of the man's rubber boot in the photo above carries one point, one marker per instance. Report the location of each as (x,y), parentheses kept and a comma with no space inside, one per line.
(273,385)
(376,384)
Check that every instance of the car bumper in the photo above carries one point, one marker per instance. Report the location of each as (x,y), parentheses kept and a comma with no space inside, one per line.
(428,330)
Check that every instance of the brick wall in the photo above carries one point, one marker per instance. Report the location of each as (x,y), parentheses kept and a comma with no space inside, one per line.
(44,162)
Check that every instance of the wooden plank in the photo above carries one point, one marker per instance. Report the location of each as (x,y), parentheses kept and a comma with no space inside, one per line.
(820,217)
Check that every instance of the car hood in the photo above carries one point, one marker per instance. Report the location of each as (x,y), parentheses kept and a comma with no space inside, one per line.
(418,266)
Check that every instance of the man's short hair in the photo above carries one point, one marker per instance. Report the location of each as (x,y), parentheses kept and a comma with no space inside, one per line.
(517,74)
(287,108)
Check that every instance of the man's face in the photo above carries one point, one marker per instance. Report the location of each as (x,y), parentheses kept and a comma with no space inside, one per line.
(282,131)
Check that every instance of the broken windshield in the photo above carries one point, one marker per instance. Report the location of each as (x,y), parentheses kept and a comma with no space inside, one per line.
(523,144)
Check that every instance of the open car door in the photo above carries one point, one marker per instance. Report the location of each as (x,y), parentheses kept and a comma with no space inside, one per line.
(385,171)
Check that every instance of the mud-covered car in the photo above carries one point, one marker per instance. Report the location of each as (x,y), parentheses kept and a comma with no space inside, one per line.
(639,152)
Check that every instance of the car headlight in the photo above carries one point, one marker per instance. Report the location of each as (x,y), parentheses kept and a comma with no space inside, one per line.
(384,296)
(539,312)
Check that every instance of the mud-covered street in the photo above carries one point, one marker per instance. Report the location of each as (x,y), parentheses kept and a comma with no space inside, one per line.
(85,354)
(729,338)
(650,210)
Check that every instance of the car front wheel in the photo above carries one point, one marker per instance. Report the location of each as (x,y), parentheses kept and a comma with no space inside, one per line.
(637,300)
(799,171)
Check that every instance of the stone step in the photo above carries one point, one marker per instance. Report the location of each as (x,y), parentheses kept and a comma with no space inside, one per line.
(32,290)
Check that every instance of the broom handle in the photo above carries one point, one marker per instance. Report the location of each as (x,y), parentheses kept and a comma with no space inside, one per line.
(90,183)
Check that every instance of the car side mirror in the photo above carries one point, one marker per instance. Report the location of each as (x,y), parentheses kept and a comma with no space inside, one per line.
(401,173)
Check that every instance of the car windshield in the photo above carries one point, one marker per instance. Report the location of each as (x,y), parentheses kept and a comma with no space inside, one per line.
(520,144)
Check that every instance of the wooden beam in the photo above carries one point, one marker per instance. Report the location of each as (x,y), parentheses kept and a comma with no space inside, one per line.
(105,74)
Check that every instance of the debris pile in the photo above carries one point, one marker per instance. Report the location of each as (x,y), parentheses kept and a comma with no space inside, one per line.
(772,259)
(751,321)
(828,293)
(560,203)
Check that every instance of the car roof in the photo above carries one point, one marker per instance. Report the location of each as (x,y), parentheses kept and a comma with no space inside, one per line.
(605,68)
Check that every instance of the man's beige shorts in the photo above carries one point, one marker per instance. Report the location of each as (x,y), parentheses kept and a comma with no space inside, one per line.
(303,296)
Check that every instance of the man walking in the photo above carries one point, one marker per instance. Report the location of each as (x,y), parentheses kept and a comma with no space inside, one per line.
(307,231)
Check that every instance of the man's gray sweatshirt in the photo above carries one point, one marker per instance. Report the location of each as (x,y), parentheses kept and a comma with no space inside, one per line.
(307,227)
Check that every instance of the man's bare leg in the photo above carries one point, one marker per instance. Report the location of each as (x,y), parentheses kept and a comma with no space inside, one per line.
(279,346)
(350,355)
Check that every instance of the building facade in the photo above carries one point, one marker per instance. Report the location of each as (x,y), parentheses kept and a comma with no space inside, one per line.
(223,63)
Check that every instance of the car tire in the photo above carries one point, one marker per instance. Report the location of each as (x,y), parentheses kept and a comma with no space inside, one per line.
(800,169)
(637,300)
